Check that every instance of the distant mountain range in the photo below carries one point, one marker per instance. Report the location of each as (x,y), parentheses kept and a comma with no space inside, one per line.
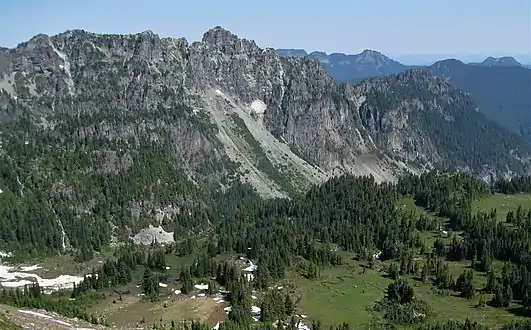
(351,67)
(500,86)
(371,63)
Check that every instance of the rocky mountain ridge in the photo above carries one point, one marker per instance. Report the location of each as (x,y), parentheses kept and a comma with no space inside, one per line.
(263,86)
(121,131)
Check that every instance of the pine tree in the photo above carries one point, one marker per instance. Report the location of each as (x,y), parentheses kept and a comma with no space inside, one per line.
(393,271)
(526,301)
(288,305)
(424,274)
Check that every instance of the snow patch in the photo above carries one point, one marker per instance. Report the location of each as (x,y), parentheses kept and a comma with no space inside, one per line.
(258,106)
(177,292)
(44,316)
(249,277)
(35,314)
(30,268)
(66,67)
(5,254)
(162,285)
(12,279)
(219,92)
(201,286)
(251,268)
(256,312)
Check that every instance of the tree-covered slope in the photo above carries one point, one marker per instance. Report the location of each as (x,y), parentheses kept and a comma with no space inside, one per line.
(501,92)
(432,121)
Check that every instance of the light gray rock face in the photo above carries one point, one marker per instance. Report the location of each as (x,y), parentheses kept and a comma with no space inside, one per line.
(223,108)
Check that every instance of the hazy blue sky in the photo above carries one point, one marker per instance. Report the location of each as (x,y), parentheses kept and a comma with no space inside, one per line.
(457,27)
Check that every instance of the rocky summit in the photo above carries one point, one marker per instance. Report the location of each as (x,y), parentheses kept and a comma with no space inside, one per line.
(81,111)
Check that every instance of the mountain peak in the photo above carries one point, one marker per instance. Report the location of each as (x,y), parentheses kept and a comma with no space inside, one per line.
(218,35)
(371,52)
(36,42)
(149,33)
(448,62)
(223,40)
(318,54)
(501,61)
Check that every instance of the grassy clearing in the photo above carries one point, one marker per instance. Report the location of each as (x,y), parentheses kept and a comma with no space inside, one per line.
(341,294)
(453,307)
(502,203)
(407,204)
(345,294)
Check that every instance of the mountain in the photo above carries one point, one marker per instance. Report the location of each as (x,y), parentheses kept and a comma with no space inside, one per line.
(354,67)
(504,61)
(292,52)
(500,86)
(501,92)
(102,135)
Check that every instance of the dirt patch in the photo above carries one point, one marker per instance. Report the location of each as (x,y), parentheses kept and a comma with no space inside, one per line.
(202,309)
(132,312)
(39,319)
